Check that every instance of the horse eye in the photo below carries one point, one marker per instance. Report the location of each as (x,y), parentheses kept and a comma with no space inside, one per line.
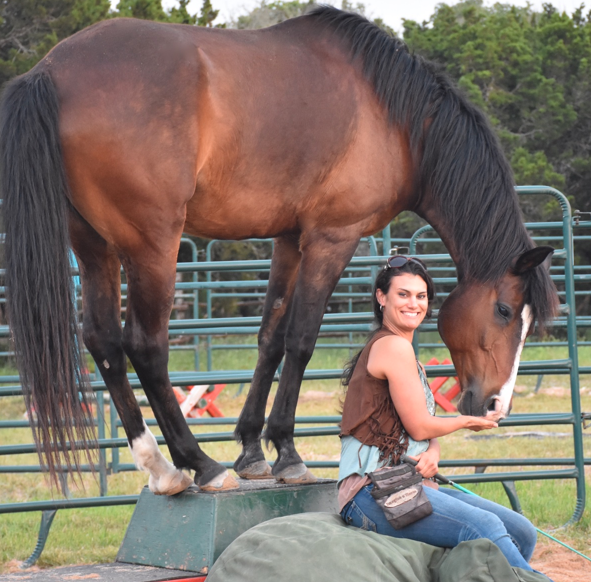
(503,310)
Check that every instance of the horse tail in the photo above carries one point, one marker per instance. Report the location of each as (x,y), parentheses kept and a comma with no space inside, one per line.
(39,288)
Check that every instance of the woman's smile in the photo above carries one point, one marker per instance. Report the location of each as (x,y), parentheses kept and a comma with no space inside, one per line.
(406,303)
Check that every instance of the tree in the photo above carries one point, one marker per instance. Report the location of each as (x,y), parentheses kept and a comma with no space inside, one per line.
(270,13)
(152,10)
(143,9)
(208,15)
(181,14)
(530,72)
(29,28)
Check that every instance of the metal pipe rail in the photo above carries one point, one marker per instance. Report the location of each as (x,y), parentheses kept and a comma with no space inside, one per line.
(477,463)
(121,442)
(228,436)
(69,503)
(360,322)
(244,376)
(114,500)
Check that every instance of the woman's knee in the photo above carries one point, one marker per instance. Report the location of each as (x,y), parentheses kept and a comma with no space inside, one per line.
(483,524)
(525,537)
(517,526)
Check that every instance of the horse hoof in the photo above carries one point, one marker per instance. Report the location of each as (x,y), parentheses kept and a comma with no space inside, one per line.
(256,470)
(170,484)
(296,474)
(222,482)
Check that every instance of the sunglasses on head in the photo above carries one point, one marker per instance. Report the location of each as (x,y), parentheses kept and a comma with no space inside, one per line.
(398,261)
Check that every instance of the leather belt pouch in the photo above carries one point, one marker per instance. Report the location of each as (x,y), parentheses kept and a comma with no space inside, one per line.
(399,492)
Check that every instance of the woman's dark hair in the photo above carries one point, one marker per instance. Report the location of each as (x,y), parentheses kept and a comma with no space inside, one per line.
(382,282)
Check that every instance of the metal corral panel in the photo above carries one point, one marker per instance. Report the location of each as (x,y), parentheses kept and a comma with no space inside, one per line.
(189,531)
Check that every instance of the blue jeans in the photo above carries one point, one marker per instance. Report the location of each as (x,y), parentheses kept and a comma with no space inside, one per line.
(457,517)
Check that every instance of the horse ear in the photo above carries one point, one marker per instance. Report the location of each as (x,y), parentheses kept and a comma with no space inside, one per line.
(531,259)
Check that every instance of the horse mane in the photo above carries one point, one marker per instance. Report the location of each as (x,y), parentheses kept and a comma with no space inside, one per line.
(461,160)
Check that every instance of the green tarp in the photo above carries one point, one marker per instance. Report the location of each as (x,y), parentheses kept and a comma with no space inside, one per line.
(319,547)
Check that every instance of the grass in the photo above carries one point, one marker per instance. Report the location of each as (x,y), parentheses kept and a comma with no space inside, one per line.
(94,535)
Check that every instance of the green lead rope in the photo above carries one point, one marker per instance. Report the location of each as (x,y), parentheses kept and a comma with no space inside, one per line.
(447,481)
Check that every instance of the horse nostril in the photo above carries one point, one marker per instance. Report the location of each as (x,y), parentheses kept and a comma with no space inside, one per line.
(493,404)
(465,403)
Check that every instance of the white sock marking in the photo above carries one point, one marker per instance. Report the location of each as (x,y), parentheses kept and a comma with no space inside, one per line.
(165,478)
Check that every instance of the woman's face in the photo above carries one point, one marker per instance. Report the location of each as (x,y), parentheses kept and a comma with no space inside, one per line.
(406,303)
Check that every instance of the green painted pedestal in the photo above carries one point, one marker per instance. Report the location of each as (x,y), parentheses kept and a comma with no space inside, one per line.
(190,530)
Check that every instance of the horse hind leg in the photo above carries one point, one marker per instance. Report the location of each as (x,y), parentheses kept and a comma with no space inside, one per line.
(150,292)
(165,478)
(324,257)
(99,272)
(251,463)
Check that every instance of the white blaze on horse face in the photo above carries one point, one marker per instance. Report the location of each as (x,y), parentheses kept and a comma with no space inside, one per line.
(165,478)
(504,398)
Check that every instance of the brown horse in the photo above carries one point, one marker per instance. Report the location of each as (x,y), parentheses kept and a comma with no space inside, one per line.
(316,132)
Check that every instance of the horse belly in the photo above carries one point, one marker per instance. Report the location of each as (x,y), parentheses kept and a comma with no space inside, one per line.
(238,215)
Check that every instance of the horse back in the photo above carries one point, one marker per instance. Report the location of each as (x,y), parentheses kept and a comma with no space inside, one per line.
(237,133)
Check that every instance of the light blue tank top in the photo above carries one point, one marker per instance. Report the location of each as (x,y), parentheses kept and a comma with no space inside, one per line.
(360,459)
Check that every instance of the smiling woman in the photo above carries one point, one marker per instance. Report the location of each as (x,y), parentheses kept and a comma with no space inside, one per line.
(389,410)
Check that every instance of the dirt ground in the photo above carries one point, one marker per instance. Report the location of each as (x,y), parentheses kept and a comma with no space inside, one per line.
(560,564)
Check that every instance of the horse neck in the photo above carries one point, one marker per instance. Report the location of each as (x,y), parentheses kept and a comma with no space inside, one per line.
(499,238)
(429,213)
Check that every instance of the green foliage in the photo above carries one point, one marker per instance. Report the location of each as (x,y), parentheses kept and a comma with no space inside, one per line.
(381,24)
(530,72)
(144,9)
(181,15)
(208,14)
(239,251)
(30,28)
(152,10)
(534,168)
(270,13)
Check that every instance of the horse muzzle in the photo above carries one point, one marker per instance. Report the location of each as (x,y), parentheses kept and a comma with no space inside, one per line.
(472,403)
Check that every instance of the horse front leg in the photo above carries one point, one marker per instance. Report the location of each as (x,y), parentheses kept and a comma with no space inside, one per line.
(251,463)
(150,292)
(101,286)
(324,257)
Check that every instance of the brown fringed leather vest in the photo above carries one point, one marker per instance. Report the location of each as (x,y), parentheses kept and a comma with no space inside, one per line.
(368,412)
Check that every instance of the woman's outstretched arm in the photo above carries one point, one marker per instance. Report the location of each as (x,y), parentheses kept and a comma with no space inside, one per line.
(392,358)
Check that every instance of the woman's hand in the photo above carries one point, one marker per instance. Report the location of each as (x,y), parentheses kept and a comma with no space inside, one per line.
(478,423)
(428,462)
